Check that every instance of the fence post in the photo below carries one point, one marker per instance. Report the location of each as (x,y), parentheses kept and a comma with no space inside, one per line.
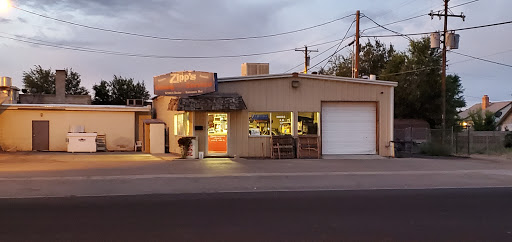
(469,141)
(451,139)
(456,143)
(487,144)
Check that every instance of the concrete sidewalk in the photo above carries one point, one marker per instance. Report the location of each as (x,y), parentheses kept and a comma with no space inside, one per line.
(63,174)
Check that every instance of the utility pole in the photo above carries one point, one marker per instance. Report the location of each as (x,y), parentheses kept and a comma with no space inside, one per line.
(306,57)
(356,71)
(443,77)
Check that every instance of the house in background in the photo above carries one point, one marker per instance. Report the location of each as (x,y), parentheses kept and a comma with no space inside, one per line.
(502,111)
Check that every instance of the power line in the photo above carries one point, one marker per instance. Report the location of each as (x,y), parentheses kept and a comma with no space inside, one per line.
(344,37)
(179,39)
(425,33)
(99,51)
(462,4)
(497,53)
(341,41)
(110,52)
(395,22)
(405,36)
(481,59)
(331,55)
(411,71)
(414,17)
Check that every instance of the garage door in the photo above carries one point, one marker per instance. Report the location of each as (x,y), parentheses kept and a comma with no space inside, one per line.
(348,128)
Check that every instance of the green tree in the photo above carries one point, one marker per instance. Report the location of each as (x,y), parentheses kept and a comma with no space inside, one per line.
(42,81)
(118,90)
(418,73)
(73,81)
(418,94)
(101,93)
(483,121)
(39,80)
(373,58)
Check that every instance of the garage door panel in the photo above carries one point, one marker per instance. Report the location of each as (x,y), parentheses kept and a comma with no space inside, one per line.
(348,128)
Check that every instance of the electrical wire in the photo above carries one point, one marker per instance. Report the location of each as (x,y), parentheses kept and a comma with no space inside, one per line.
(341,41)
(481,59)
(405,36)
(99,51)
(336,52)
(179,39)
(411,71)
(395,22)
(415,17)
(425,33)
(110,52)
(498,53)
(344,37)
(462,4)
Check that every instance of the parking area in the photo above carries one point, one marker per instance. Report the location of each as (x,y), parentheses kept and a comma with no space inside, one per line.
(31,164)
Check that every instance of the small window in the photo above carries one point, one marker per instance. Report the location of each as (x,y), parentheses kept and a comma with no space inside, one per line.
(282,123)
(181,124)
(259,123)
(307,123)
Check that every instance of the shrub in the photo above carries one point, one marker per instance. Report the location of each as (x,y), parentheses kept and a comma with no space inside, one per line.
(508,140)
(184,143)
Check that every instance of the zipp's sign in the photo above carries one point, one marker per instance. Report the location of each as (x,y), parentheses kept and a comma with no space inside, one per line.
(185,83)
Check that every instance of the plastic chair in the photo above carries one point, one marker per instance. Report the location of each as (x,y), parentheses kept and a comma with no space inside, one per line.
(138,144)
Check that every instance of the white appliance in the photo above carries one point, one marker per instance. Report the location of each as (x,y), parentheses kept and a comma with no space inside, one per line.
(81,142)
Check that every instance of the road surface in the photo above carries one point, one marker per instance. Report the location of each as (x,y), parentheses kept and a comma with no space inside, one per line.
(368,215)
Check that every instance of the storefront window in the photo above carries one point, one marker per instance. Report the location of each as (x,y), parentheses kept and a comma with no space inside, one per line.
(275,123)
(281,123)
(307,123)
(181,124)
(259,124)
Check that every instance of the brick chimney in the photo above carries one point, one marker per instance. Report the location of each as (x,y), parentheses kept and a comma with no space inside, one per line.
(60,86)
(485,102)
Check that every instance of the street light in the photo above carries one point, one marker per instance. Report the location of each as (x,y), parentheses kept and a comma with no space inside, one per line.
(4,5)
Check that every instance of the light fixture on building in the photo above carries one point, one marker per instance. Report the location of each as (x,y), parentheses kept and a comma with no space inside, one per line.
(295,84)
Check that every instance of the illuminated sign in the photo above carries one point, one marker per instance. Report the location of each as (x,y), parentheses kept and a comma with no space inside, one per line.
(185,83)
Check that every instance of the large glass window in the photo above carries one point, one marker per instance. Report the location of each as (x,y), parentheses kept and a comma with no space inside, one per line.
(266,123)
(259,123)
(281,123)
(181,124)
(307,123)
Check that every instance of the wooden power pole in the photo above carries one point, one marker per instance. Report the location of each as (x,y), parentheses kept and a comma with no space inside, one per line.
(306,57)
(356,68)
(443,77)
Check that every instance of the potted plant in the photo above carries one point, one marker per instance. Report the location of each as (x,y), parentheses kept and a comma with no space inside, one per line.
(184,143)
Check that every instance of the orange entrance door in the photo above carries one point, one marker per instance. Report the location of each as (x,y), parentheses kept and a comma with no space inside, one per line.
(217,133)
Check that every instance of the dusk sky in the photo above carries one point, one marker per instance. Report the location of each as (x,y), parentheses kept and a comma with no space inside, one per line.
(202,19)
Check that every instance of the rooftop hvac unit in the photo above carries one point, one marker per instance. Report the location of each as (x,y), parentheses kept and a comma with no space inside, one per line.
(452,41)
(435,40)
(5,81)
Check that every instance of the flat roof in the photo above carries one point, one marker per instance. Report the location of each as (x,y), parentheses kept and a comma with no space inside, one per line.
(310,76)
(75,107)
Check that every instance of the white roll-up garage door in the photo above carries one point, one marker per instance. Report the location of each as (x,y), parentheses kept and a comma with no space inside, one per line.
(348,128)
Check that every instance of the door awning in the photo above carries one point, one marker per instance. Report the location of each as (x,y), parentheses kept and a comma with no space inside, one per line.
(208,102)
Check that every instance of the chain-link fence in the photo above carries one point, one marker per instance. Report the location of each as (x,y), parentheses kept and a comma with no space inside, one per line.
(446,142)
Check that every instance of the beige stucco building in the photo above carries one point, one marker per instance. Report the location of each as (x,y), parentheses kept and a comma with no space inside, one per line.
(350,116)
(19,124)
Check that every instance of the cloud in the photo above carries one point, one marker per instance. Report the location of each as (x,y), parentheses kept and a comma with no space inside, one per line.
(22,20)
(4,20)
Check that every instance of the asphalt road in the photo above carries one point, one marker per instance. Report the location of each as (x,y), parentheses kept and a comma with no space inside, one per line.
(384,215)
